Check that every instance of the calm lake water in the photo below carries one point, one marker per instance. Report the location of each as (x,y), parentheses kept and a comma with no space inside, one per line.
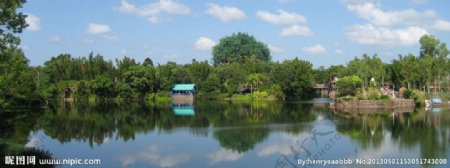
(226,134)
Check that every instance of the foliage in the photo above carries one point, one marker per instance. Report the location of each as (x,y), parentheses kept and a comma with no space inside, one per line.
(241,67)
(17,84)
(141,79)
(348,85)
(373,94)
(239,47)
(418,96)
(11,23)
(294,77)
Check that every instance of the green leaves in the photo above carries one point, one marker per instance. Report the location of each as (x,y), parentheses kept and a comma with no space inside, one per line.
(294,76)
(237,48)
(348,85)
(141,79)
(11,23)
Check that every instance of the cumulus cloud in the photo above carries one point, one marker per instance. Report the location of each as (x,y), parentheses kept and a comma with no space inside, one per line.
(282,18)
(442,25)
(96,28)
(372,35)
(153,11)
(296,30)
(204,43)
(275,49)
(224,155)
(393,28)
(316,49)
(153,155)
(379,17)
(225,13)
(33,23)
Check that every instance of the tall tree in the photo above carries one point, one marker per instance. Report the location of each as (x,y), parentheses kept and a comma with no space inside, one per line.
(11,22)
(294,76)
(16,83)
(237,48)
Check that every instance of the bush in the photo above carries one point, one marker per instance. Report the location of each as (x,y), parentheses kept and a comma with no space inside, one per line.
(158,97)
(348,85)
(407,94)
(373,94)
(385,97)
(418,96)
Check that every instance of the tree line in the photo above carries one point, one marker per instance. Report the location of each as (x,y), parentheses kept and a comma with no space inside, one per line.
(240,65)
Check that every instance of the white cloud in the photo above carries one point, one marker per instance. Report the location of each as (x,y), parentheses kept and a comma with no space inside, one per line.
(339,51)
(152,155)
(225,13)
(275,49)
(204,44)
(224,155)
(283,18)
(376,16)
(55,39)
(316,49)
(291,19)
(153,11)
(33,23)
(296,30)
(96,28)
(371,35)
(442,25)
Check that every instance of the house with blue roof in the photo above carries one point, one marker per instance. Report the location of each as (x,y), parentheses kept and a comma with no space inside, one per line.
(183,93)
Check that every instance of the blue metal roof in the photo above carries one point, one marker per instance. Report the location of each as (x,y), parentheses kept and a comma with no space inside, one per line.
(179,87)
(183,110)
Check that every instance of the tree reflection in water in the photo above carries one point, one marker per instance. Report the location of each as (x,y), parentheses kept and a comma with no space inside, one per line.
(424,129)
(237,127)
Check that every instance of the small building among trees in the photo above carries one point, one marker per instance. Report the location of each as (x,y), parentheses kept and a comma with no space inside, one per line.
(183,93)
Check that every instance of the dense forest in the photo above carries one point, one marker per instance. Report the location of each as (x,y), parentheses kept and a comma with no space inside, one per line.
(241,65)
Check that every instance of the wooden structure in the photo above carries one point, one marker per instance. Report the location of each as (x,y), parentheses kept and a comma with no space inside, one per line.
(183,93)
(327,89)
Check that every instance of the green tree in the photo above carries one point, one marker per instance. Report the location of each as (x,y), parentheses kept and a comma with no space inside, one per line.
(212,83)
(348,85)
(123,65)
(103,86)
(366,68)
(231,76)
(199,72)
(11,23)
(294,76)
(141,78)
(432,50)
(16,78)
(238,47)
(147,62)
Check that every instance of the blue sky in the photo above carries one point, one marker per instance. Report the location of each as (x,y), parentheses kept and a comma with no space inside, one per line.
(323,32)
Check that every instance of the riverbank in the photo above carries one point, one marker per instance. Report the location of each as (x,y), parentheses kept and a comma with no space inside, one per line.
(373,106)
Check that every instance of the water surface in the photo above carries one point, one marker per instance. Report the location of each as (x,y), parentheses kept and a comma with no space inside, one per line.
(226,134)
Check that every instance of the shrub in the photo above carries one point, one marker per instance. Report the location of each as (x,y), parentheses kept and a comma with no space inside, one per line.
(348,85)
(373,94)
(407,94)
(418,96)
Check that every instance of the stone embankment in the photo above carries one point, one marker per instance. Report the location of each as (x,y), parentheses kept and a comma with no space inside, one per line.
(374,106)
